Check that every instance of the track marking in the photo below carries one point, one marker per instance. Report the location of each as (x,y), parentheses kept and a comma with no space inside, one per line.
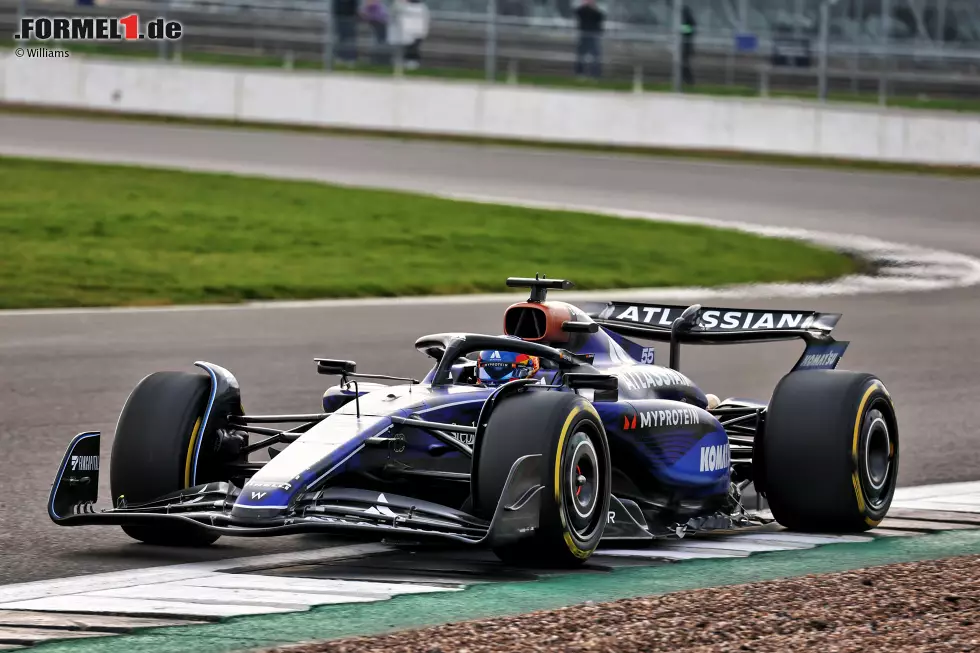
(921,525)
(890,532)
(733,544)
(949,497)
(310,585)
(141,607)
(223,596)
(788,536)
(171,573)
(959,517)
(106,623)
(906,494)
(925,504)
(31,636)
(661,553)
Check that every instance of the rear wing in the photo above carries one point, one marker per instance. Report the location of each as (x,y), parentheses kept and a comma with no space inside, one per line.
(709,325)
(714,325)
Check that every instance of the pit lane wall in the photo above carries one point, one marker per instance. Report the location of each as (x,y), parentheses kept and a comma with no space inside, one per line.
(656,120)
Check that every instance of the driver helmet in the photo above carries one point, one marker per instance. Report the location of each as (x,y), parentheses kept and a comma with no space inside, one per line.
(495,367)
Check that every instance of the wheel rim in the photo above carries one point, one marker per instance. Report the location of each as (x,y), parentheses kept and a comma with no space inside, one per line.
(583,484)
(878,457)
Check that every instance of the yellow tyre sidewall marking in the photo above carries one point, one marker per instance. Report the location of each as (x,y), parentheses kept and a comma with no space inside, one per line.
(190,452)
(574,548)
(561,444)
(855,479)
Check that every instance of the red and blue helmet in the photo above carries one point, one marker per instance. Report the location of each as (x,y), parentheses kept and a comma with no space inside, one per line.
(495,366)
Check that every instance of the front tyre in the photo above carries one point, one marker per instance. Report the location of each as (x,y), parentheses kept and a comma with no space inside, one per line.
(153,449)
(830,451)
(568,432)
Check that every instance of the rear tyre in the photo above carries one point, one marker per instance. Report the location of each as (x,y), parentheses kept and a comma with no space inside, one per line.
(830,451)
(568,432)
(153,449)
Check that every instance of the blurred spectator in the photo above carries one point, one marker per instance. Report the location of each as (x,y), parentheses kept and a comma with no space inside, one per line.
(517,8)
(590,20)
(689,28)
(345,28)
(375,14)
(410,27)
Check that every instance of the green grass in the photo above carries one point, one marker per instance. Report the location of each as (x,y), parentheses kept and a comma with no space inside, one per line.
(92,235)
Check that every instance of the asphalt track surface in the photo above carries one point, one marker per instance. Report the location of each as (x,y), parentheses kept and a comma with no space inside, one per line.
(65,373)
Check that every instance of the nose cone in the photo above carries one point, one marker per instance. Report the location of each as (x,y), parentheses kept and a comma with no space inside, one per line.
(325,450)
(260,501)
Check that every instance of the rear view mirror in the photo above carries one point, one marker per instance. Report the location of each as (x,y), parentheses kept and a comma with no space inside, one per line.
(579,327)
(333,366)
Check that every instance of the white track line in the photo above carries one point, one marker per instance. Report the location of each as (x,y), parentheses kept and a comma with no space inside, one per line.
(951,497)
(902,268)
(804,538)
(141,607)
(936,492)
(207,589)
(172,573)
(654,554)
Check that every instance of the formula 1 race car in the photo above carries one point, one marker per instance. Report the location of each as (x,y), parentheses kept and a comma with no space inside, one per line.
(538,443)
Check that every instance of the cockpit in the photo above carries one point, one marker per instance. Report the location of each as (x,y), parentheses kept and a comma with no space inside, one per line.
(553,324)
(540,337)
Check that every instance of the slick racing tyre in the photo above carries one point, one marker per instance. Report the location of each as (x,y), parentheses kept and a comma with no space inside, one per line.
(830,451)
(566,430)
(156,434)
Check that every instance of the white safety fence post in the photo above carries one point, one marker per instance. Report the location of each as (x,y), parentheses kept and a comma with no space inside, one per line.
(676,40)
(491,47)
(884,60)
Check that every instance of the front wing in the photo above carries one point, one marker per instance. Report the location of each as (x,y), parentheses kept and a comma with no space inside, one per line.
(332,510)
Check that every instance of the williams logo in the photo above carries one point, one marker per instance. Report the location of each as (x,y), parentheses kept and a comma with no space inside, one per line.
(84,463)
(714,458)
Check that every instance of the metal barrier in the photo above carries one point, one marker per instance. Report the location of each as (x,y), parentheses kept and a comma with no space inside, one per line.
(539,46)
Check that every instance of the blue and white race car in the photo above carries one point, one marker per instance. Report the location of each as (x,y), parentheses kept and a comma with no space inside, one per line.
(539,443)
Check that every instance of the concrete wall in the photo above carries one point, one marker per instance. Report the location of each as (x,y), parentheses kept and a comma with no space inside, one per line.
(338,100)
